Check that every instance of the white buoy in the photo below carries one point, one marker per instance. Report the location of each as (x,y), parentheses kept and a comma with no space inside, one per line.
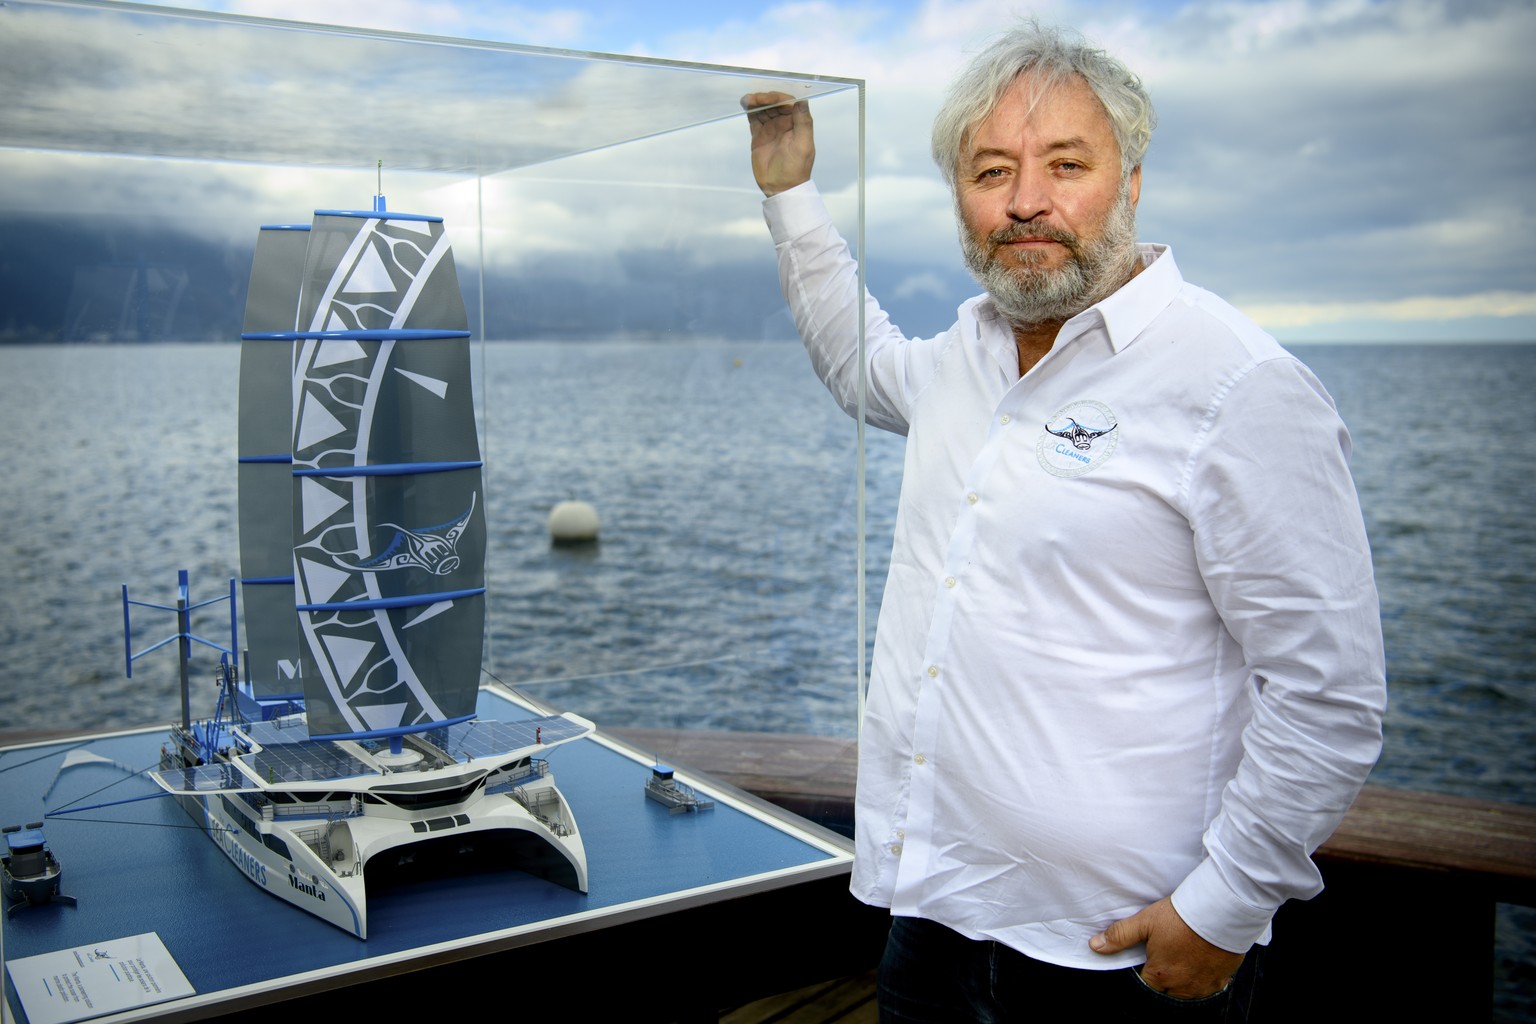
(572,522)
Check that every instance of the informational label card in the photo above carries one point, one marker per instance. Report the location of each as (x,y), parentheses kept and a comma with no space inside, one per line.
(88,981)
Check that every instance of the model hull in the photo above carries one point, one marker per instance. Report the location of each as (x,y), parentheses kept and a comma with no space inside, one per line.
(316,840)
(291,872)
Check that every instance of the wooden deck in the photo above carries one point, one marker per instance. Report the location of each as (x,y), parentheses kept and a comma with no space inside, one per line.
(846,1000)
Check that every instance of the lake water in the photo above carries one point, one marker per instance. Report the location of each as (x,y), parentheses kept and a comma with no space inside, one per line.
(722,595)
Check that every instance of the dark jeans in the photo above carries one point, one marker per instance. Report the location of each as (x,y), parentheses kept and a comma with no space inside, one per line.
(933,975)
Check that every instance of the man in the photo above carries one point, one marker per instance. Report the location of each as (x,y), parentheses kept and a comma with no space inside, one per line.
(1128,671)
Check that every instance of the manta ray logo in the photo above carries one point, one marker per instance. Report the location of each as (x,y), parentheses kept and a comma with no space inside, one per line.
(433,548)
(1082,437)
(1079,438)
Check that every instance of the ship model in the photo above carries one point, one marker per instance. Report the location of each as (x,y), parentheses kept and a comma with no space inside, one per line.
(350,747)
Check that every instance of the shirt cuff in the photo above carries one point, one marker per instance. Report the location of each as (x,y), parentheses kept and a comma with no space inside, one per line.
(1209,906)
(795,211)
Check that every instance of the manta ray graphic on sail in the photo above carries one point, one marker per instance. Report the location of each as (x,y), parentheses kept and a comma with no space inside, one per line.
(433,548)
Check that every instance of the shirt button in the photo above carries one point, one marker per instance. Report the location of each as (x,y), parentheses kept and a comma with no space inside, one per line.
(901,833)
(933,671)
(896,849)
(972,498)
(1006,419)
(920,759)
(949,581)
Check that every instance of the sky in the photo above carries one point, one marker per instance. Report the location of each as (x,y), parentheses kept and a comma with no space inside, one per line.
(1353,170)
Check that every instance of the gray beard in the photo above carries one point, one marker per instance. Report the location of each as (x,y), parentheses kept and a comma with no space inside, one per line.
(1028,295)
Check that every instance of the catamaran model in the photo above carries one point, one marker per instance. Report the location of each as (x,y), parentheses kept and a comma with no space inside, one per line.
(352,745)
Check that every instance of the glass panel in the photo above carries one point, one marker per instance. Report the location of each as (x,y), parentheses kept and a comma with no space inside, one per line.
(658,378)
(612,254)
(282,93)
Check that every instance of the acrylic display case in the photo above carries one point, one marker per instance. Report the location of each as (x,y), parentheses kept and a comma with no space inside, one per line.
(633,351)
(630,351)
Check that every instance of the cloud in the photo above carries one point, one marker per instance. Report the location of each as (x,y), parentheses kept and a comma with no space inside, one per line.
(921,285)
(1312,154)
(1346,152)
(560,26)
(1310,151)
(1489,304)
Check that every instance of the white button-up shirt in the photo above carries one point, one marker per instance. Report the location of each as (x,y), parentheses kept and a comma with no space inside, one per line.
(1130,643)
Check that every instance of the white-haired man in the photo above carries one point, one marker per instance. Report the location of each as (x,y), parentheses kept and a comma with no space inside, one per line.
(1128,671)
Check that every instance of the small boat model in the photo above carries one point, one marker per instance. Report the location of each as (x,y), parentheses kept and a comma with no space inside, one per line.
(352,747)
(677,797)
(31,871)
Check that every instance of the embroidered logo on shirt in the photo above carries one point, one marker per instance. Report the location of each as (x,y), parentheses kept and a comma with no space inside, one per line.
(1080,437)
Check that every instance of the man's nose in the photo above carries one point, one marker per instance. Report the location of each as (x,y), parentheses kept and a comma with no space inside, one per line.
(1030,196)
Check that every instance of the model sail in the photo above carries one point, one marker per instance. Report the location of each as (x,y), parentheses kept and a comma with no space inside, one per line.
(266,460)
(388,521)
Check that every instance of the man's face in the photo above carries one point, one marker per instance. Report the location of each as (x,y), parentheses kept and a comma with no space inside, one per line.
(1047,225)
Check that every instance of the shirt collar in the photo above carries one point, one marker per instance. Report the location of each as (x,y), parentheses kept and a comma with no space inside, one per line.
(1129,311)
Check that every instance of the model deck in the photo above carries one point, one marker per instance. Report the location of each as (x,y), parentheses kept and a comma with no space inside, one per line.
(286,756)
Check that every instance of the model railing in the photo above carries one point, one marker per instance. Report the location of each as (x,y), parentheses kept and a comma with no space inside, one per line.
(275,811)
(536,768)
(537,802)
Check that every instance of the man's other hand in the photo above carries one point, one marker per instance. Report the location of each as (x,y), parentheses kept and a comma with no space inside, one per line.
(1179,962)
(783,146)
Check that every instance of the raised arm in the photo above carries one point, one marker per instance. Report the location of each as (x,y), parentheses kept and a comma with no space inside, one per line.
(783,143)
